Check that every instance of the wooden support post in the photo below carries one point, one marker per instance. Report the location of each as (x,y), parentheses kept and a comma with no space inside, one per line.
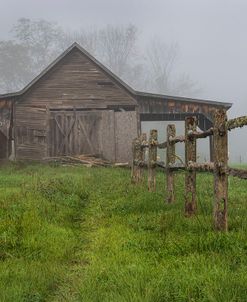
(136,152)
(170,161)
(152,158)
(220,173)
(190,175)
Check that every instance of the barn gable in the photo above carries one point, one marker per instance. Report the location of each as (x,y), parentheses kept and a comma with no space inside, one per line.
(75,76)
(74,93)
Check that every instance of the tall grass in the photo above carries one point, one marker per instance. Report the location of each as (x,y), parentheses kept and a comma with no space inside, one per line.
(77,234)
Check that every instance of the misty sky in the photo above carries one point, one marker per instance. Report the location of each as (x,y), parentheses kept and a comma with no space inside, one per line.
(211,35)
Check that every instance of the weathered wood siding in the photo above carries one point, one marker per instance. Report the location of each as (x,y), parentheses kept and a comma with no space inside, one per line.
(126,131)
(75,82)
(102,133)
(5,128)
(149,105)
(73,132)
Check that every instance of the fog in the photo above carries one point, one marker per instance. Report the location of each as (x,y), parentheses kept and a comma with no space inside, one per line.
(211,35)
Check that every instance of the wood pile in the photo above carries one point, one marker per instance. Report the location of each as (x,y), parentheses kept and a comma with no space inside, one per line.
(86,160)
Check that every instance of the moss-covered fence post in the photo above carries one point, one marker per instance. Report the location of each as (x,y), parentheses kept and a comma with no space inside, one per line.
(190,174)
(144,143)
(221,167)
(136,161)
(170,161)
(152,158)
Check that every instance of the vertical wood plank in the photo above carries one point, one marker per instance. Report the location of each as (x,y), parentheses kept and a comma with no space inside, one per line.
(190,175)
(66,130)
(15,136)
(59,134)
(115,136)
(170,160)
(220,173)
(152,158)
(48,138)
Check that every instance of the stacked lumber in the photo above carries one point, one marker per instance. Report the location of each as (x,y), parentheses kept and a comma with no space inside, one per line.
(86,160)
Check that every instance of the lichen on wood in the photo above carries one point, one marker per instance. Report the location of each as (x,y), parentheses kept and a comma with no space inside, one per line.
(152,159)
(238,122)
(176,139)
(162,145)
(207,166)
(240,173)
(203,134)
(170,160)
(143,140)
(190,175)
(136,161)
(221,170)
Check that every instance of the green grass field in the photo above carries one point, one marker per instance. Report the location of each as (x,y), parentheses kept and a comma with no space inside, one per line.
(79,234)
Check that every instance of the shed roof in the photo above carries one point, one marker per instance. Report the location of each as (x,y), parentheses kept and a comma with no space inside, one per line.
(134,93)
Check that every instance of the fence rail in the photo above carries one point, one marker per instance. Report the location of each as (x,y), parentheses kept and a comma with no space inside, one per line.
(219,167)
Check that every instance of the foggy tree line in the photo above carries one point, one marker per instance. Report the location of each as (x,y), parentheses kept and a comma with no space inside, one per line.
(35,43)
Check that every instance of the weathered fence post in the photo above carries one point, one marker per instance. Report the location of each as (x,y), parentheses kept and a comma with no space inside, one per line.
(190,175)
(170,160)
(136,152)
(152,158)
(143,139)
(220,172)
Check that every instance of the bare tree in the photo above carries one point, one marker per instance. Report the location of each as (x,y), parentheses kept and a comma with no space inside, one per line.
(161,62)
(42,39)
(14,66)
(114,46)
(183,85)
(118,45)
(88,38)
(36,43)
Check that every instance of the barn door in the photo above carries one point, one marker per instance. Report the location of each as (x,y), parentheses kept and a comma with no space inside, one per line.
(75,132)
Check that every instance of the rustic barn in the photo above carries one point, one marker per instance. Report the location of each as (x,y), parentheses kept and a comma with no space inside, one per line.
(78,106)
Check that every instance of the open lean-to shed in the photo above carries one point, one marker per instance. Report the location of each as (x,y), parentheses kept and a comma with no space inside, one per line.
(78,106)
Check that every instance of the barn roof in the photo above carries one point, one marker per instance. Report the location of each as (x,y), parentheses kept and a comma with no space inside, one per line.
(134,93)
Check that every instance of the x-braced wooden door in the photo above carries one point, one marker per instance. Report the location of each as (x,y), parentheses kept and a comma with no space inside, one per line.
(75,132)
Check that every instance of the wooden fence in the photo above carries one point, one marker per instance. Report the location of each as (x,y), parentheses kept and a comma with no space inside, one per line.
(219,167)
